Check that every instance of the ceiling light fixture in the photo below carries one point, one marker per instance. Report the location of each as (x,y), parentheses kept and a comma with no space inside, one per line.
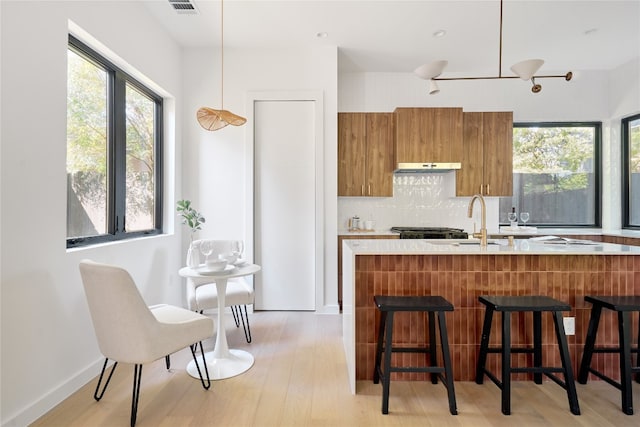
(524,70)
(210,118)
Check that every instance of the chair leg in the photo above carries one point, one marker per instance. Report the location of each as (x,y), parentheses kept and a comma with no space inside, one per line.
(204,362)
(624,333)
(245,323)
(386,379)
(137,377)
(235,315)
(506,362)
(381,328)
(537,345)
(432,345)
(167,361)
(98,395)
(592,331)
(446,360)
(565,358)
(638,351)
(484,345)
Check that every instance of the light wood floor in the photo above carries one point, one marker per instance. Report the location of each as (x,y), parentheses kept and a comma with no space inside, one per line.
(300,379)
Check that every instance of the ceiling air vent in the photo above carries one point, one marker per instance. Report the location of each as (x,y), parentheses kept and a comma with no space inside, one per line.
(184,6)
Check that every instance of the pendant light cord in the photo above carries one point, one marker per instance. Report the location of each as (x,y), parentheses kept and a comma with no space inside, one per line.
(222,54)
(500,59)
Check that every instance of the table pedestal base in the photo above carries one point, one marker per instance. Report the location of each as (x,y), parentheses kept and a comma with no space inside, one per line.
(237,362)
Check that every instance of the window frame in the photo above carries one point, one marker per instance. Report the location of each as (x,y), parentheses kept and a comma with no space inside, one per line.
(626,172)
(597,161)
(117,81)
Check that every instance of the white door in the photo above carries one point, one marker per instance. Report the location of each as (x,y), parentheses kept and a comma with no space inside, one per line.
(284,191)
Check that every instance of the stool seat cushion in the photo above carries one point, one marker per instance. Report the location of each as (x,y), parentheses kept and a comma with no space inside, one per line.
(616,303)
(524,303)
(412,303)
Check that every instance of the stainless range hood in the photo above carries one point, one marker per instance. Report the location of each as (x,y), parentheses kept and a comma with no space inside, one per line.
(427,167)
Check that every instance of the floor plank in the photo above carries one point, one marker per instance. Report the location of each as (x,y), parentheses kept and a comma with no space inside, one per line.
(300,378)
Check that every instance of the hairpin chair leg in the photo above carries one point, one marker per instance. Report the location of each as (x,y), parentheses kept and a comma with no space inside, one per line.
(137,377)
(167,361)
(204,362)
(245,323)
(98,394)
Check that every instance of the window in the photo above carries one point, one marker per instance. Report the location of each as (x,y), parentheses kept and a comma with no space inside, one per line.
(114,140)
(631,172)
(556,174)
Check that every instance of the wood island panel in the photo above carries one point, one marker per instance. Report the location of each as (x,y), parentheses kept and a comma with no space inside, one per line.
(461,279)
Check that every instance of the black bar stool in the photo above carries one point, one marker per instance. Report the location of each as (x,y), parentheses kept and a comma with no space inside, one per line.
(388,305)
(537,305)
(624,306)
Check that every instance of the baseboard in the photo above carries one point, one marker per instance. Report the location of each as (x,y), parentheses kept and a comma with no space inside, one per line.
(49,400)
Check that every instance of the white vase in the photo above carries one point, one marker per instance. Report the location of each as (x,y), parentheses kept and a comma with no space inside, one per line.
(193,256)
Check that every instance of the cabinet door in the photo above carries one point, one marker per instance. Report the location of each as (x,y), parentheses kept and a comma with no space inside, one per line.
(487,165)
(428,135)
(498,153)
(380,154)
(351,154)
(470,177)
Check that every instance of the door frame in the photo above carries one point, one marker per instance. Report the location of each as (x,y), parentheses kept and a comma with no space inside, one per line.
(317,98)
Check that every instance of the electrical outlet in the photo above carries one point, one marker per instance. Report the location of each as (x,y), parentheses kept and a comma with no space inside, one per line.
(569,325)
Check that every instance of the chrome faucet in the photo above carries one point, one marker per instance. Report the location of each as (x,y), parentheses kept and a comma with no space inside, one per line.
(482,235)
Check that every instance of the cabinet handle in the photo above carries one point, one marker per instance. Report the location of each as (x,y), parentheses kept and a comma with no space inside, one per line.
(481,188)
(488,189)
(362,191)
(369,189)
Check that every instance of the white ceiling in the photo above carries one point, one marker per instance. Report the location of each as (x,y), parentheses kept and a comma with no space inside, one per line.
(397,36)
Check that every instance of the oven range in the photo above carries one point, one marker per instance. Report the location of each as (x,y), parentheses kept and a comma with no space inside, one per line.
(430,233)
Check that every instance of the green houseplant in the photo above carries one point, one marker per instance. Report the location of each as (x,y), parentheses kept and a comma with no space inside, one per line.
(194,220)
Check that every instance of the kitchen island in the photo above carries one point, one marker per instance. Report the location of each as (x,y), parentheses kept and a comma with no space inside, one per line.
(461,271)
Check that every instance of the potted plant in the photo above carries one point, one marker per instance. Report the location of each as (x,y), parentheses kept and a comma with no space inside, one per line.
(194,220)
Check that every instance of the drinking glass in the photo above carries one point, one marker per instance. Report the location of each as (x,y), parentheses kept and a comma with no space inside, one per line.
(237,247)
(513,219)
(206,248)
(524,216)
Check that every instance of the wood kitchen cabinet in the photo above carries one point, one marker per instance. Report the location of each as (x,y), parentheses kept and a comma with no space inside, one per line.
(428,135)
(487,155)
(365,154)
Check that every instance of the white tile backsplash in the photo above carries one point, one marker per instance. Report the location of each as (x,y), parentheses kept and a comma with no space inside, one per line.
(419,200)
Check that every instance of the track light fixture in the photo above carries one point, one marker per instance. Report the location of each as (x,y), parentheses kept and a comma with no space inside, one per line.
(524,70)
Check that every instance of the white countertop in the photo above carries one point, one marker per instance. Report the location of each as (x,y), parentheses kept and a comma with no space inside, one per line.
(472,247)
(518,234)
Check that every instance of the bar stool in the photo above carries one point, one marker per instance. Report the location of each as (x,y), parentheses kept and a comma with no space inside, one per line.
(624,306)
(537,305)
(388,305)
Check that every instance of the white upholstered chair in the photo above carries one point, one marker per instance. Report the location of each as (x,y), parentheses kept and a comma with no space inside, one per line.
(202,294)
(130,332)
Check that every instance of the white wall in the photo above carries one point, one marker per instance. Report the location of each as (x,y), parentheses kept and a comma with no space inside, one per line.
(586,98)
(49,348)
(216,175)
(624,101)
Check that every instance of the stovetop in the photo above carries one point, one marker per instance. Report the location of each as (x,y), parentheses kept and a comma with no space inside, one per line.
(430,232)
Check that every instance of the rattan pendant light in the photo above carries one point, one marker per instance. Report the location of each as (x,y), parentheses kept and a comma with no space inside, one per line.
(210,118)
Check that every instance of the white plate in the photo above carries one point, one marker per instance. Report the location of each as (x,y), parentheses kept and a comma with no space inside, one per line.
(204,270)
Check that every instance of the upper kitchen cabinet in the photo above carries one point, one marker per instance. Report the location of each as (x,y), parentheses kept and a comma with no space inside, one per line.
(365,154)
(487,165)
(428,135)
